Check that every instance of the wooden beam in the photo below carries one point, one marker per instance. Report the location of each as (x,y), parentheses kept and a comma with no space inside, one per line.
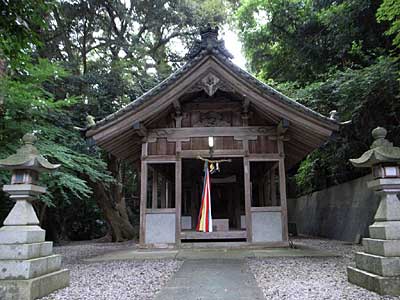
(154,107)
(264,157)
(282,127)
(216,153)
(160,211)
(247,199)
(139,129)
(266,208)
(185,133)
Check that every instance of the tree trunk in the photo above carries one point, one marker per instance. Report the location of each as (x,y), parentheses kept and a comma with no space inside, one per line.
(111,200)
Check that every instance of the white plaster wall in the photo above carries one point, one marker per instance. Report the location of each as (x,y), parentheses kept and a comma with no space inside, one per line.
(266,226)
(160,228)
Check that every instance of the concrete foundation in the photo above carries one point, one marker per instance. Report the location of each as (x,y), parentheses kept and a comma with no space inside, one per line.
(34,288)
(379,284)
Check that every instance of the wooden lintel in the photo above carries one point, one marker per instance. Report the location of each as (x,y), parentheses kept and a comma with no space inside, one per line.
(159,159)
(216,153)
(174,134)
(160,211)
(264,157)
(266,208)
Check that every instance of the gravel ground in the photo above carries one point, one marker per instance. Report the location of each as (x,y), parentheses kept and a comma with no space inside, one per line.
(111,280)
(313,277)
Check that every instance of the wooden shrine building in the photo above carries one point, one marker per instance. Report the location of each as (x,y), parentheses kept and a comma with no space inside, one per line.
(260,130)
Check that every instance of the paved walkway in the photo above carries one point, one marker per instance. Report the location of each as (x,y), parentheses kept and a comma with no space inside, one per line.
(212,279)
(211,274)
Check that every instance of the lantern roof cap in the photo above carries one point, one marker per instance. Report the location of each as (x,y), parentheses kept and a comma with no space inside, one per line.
(28,157)
(381,151)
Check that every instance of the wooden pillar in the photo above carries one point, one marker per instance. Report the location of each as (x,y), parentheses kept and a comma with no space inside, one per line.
(168,199)
(273,186)
(154,193)
(237,198)
(163,192)
(143,201)
(193,200)
(260,184)
(178,200)
(247,198)
(282,190)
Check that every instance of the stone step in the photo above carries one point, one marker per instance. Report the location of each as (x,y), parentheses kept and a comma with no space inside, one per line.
(33,288)
(380,265)
(25,251)
(30,268)
(382,247)
(379,284)
(388,230)
(21,235)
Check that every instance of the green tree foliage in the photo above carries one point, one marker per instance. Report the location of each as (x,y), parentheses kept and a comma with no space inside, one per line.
(87,58)
(20,25)
(300,40)
(328,55)
(29,106)
(390,11)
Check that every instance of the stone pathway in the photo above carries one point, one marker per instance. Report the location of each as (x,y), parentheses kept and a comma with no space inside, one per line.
(212,279)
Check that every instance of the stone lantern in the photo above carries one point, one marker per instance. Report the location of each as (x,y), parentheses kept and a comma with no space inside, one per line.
(378,267)
(28,269)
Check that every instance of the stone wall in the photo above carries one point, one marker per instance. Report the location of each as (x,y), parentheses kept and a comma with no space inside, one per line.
(340,212)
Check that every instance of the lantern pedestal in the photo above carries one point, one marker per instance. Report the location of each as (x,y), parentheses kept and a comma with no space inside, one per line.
(378,267)
(28,269)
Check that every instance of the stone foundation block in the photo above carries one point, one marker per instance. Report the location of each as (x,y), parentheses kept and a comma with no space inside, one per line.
(379,284)
(21,235)
(33,288)
(382,247)
(384,266)
(25,251)
(30,268)
(385,230)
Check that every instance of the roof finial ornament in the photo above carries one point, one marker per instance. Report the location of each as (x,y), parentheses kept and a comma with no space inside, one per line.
(334,115)
(209,42)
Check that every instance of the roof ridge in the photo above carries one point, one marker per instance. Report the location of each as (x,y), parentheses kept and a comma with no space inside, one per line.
(220,54)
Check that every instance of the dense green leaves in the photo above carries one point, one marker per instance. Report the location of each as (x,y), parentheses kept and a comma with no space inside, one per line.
(329,55)
(29,106)
(390,11)
(61,61)
(300,40)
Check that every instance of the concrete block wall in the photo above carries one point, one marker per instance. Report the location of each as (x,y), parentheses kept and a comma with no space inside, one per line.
(340,212)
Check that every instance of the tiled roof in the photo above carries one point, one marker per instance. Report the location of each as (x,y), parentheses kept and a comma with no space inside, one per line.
(210,45)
